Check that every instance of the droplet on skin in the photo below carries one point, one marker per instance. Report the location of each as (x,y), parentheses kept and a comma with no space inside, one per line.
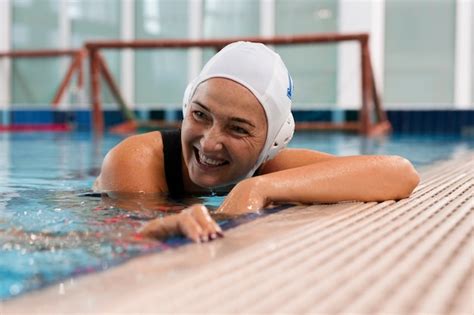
(61,289)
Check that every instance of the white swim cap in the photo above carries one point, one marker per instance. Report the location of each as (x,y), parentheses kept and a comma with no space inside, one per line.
(262,71)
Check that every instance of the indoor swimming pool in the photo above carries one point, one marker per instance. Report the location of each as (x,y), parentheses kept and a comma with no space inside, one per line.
(52,229)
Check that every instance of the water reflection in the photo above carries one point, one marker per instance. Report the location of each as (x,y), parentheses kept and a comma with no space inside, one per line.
(48,235)
(53,227)
(421,150)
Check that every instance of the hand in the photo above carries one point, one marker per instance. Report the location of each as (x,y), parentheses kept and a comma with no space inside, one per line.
(194,222)
(247,196)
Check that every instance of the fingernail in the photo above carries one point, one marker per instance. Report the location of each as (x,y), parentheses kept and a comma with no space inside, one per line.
(204,238)
(213,235)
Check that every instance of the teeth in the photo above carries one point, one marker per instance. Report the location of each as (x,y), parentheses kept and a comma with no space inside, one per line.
(206,160)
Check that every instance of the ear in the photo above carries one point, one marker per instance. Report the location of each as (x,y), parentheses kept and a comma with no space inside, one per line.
(283,137)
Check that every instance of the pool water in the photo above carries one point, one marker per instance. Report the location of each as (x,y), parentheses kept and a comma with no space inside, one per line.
(51,230)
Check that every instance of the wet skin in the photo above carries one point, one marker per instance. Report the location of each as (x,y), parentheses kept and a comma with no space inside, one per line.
(223,133)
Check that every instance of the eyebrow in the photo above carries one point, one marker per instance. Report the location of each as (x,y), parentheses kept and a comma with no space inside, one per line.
(236,119)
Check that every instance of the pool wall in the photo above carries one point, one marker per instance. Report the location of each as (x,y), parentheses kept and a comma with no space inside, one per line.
(459,122)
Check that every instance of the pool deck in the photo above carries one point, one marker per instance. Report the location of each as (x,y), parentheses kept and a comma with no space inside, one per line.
(414,256)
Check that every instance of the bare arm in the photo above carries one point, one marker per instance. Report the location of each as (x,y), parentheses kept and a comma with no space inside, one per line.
(324,179)
(134,165)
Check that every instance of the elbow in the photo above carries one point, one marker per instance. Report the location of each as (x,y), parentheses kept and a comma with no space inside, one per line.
(96,187)
(406,177)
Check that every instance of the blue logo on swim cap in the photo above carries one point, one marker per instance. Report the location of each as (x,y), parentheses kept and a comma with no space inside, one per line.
(289,90)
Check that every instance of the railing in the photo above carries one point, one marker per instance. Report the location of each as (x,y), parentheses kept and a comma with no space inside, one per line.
(77,57)
(370,98)
(98,66)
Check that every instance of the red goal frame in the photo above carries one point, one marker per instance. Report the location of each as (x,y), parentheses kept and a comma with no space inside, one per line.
(75,67)
(371,100)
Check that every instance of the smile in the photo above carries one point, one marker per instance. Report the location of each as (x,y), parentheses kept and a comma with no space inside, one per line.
(206,161)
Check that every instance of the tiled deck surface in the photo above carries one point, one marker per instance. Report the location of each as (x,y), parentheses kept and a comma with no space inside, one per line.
(414,256)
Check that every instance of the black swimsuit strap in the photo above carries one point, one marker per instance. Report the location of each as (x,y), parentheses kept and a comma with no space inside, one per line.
(172,152)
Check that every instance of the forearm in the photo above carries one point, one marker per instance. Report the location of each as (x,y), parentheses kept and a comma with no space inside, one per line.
(362,178)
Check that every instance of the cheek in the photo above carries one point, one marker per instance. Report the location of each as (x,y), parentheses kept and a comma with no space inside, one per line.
(258,142)
(188,131)
(185,125)
(186,138)
(249,150)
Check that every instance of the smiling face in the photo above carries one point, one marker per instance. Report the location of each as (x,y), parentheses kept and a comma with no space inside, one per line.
(223,133)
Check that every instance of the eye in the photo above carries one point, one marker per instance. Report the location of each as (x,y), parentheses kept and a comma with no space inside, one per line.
(198,115)
(239,130)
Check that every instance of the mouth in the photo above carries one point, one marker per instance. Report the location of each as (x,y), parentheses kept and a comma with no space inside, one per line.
(208,162)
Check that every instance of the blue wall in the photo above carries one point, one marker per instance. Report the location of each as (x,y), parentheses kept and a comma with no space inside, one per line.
(403,121)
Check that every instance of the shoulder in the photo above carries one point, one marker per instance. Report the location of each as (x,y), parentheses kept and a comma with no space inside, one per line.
(134,165)
(291,158)
(150,141)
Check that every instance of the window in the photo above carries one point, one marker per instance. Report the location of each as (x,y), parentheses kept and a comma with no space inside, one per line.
(419,52)
(160,75)
(312,67)
(95,20)
(34,26)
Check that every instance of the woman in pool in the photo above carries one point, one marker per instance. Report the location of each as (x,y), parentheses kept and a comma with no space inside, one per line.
(237,123)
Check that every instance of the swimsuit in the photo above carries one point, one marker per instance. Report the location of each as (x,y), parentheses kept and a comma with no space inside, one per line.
(172,153)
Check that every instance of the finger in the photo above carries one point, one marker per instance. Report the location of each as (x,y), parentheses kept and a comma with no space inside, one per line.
(190,227)
(210,228)
(160,228)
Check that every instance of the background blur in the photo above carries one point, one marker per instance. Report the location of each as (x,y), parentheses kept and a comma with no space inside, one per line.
(422,50)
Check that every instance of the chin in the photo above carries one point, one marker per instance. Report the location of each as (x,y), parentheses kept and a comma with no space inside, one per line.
(210,183)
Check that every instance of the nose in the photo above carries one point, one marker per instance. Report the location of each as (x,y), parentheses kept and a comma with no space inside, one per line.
(211,140)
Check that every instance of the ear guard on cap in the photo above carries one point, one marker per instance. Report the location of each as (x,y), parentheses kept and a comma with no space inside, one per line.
(283,137)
